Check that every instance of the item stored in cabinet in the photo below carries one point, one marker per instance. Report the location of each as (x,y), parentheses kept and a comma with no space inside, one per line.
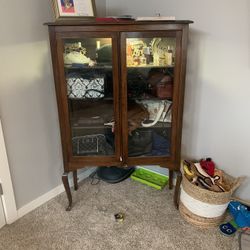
(160,146)
(163,55)
(104,54)
(75,55)
(93,113)
(137,113)
(95,144)
(140,143)
(135,55)
(137,84)
(164,89)
(81,86)
(161,85)
(75,58)
(159,111)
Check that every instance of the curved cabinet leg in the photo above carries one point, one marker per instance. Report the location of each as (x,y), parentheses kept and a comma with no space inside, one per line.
(65,181)
(75,179)
(177,189)
(170,181)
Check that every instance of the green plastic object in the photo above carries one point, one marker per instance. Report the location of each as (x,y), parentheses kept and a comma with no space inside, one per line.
(150,178)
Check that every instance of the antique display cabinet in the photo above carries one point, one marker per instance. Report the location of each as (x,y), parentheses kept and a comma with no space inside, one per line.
(120,89)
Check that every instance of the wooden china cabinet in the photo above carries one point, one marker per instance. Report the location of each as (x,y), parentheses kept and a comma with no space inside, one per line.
(120,90)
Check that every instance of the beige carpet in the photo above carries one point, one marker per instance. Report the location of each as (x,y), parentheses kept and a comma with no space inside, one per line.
(151,222)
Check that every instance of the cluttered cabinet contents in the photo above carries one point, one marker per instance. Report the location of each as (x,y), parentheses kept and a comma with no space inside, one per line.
(120,89)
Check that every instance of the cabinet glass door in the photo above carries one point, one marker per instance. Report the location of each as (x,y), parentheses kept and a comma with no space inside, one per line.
(150,63)
(89,77)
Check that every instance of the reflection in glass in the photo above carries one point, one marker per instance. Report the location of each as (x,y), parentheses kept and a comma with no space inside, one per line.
(89,80)
(150,78)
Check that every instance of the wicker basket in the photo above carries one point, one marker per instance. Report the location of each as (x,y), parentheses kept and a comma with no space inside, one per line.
(199,221)
(204,208)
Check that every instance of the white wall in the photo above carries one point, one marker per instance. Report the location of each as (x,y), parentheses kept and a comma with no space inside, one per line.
(217,100)
(27,98)
(100,7)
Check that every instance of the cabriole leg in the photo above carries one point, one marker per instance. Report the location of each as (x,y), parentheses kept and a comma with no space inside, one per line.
(65,181)
(177,189)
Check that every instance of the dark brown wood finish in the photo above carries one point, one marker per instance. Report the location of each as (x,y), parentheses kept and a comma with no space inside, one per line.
(181,89)
(177,189)
(65,180)
(119,32)
(177,83)
(93,23)
(102,159)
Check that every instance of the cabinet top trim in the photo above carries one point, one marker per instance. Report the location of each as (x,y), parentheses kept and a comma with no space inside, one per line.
(94,23)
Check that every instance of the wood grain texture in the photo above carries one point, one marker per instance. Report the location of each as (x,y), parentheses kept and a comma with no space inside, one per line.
(119,32)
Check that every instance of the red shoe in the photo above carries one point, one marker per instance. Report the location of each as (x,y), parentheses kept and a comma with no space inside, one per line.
(208,165)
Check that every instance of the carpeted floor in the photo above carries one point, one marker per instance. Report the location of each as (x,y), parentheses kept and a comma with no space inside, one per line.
(151,222)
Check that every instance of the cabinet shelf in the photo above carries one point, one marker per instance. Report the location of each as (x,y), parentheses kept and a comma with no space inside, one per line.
(150,66)
(162,125)
(74,127)
(80,67)
(108,98)
(148,99)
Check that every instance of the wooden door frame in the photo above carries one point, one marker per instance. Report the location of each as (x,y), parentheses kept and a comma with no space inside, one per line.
(75,162)
(173,160)
(8,197)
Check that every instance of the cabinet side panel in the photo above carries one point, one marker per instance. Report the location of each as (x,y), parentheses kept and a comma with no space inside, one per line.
(180,102)
(53,46)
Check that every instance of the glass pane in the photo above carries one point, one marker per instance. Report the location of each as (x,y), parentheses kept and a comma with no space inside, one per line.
(89,80)
(150,79)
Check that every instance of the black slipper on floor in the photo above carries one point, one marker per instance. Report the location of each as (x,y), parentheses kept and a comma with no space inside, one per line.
(114,174)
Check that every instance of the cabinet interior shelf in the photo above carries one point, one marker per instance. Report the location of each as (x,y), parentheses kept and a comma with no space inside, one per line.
(150,66)
(157,125)
(110,98)
(79,67)
(148,99)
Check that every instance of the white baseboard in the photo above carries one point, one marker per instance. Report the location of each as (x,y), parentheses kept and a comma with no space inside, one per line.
(50,195)
(8,198)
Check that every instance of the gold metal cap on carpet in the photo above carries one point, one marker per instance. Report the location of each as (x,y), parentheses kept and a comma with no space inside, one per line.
(119,217)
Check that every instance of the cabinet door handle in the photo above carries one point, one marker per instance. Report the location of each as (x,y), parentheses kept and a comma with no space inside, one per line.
(120,158)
